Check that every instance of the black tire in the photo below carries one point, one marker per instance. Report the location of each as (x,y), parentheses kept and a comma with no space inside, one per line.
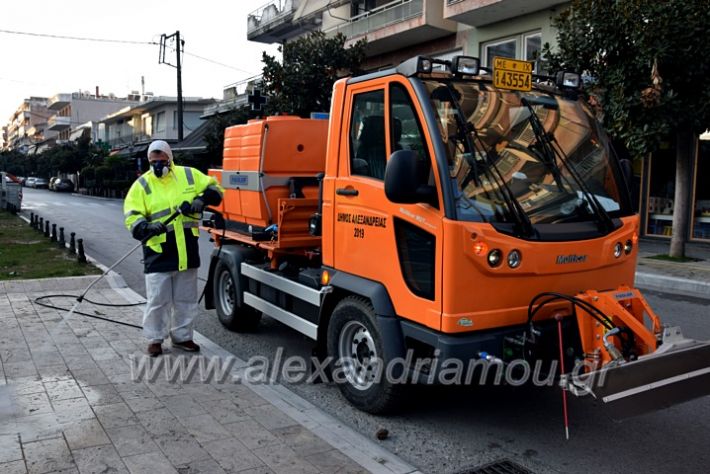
(353,325)
(225,286)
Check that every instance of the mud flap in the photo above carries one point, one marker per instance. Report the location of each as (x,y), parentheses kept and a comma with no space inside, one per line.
(677,372)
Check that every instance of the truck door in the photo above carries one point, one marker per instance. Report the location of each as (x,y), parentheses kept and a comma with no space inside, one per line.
(399,245)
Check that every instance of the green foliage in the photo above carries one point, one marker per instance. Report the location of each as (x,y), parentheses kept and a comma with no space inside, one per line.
(302,83)
(617,42)
(214,136)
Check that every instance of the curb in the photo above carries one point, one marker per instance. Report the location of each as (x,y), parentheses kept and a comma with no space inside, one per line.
(673,285)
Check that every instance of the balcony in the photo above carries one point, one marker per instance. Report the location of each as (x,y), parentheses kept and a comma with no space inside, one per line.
(274,22)
(136,138)
(59,101)
(485,12)
(396,25)
(58,123)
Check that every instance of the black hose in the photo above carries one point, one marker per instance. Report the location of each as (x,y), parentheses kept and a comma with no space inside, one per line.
(76,297)
(592,310)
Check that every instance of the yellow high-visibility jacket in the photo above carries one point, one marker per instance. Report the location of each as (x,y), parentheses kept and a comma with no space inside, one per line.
(153,199)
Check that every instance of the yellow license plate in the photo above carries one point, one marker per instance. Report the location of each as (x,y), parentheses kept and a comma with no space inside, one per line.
(512,74)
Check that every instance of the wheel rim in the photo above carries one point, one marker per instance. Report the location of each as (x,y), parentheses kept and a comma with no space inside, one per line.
(358,355)
(227,293)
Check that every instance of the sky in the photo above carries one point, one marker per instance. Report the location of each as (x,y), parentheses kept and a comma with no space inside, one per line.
(40,66)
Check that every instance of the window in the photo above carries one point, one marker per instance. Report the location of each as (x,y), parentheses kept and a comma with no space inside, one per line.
(159,122)
(367,135)
(406,132)
(526,46)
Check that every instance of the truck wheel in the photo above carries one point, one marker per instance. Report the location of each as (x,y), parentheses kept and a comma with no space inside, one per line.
(355,346)
(233,316)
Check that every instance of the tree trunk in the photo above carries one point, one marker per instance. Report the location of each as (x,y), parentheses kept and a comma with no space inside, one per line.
(685,153)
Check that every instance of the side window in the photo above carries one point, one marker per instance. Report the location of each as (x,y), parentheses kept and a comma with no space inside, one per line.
(368,156)
(407,132)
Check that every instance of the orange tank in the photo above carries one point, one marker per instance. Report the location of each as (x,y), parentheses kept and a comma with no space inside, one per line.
(268,160)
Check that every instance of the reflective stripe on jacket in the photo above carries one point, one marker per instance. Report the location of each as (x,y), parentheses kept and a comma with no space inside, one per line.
(153,199)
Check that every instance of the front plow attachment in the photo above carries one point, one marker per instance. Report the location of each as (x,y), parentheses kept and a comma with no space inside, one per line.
(678,371)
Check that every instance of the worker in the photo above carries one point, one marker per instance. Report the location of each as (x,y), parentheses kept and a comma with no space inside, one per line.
(171,253)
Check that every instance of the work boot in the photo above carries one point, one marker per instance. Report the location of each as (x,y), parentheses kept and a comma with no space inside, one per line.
(155,349)
(188,346)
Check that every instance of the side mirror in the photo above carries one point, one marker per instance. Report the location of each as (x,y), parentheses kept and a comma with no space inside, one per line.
(403,180)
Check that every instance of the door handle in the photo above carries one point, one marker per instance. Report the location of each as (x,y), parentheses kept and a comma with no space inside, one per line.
(346,192)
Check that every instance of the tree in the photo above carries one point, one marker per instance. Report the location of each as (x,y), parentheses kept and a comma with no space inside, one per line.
(649,73)
(302,83)
(214,135)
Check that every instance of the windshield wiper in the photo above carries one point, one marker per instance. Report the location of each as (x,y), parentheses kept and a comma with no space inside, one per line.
(516,211)
(546,142)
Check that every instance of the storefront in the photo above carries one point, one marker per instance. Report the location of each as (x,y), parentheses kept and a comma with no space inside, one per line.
(656,177)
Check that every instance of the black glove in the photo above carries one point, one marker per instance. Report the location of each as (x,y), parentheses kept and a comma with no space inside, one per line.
(145,230)
(197,206)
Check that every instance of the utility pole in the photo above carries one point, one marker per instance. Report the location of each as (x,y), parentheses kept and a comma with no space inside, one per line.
(179,44)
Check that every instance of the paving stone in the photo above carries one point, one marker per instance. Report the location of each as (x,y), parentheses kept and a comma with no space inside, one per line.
(48,455)
(251,434)
(242,396)
(26,385)
(160,422)
(202,466)
(73,409)
(204,427)
(143,404)
(183,406)
(99,459)
(180,448)
(224,410)
(333,461)
(257,470)
(270,418)
(84,434)
(153,463)
(301,440)
(14,467)
(52,372)
(130,440)
(89,377)
(20,369)
(115,415)
(232,455)
(282,459)
(102,395)
(34,428)
(10,449)
(63,390)
(32,404)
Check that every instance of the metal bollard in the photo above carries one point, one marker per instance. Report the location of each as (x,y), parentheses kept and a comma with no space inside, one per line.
(32,219)
(35,222)
(53,236)
(81,257)
(72,243)
(62,242)
(40,227)
(46,228)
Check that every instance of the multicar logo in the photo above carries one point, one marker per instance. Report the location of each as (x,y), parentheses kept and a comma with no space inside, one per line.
(571,258)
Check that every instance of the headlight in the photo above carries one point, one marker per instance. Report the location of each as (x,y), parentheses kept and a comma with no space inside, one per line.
(618,248)
(514,258)
(494,257)
(628,247)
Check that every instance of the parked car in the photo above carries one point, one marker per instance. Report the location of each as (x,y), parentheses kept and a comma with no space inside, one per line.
(52,181)
(30,182)
(63,184)
(41,183)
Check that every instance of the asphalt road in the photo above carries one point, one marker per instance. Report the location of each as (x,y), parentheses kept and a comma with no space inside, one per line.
(448,429)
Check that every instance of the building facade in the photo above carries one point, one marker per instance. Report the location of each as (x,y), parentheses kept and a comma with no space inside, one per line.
(399,29)
(27,125)
(130,129)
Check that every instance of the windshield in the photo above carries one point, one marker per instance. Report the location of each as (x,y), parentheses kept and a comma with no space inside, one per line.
(529,156)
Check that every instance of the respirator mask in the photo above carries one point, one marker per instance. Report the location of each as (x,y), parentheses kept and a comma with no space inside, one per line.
(160,168)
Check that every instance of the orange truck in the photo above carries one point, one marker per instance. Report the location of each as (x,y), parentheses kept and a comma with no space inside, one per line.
(445,212)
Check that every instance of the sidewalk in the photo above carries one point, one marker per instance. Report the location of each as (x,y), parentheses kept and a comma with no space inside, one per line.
(689,278)
(68,403)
